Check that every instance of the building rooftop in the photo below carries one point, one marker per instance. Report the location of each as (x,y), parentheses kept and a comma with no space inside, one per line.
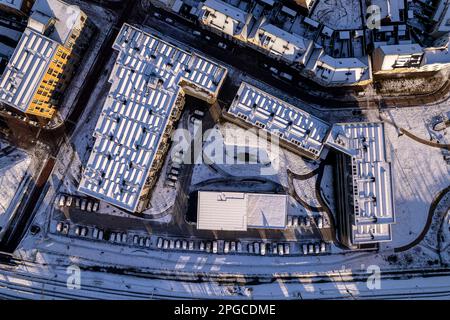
(371,176)
(280,42)
(279,118)
(26,69)
(399,49)
(65,17)
(148,79)
(237,211)
(224,17)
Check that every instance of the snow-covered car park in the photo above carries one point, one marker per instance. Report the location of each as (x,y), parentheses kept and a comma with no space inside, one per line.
(66,228)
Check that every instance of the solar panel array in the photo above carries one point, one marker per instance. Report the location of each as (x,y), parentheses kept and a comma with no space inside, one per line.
(148,82)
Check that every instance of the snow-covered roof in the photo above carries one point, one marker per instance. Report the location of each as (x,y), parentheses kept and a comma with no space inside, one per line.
(237,211)
(26,69)
(223,17)
(291,47)
(340,71)
(66,17)
(277,117)
(390,9)
(145,90)
(401,49)
(371,179)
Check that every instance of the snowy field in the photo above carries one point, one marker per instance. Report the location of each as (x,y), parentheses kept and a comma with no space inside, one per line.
(14,178)
(338,14)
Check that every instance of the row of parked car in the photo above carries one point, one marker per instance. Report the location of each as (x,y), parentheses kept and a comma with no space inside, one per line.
(264,248)
(314,248)
(79,203)
(303,221)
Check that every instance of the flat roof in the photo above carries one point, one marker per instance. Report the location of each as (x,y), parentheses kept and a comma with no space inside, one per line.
(26,69)
(371,178)
(279,118)
(145,86)
(400,49)
(237,211)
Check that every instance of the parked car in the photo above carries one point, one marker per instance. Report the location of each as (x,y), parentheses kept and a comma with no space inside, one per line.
(157,15)
(95,207)
(77,202)
(171,244)
(308,222)
(287,248)
(168,20)
(256,247)
(84,231)
(214,246)
(208,246)
(89,206)
(232,246)
(274,248)
(78,230)
(273,70)
(280,249)
(166,244)
(202,246)
(323,247)
(184,245)
(191,245)
(100,234)
(62,201)
(112,237)
(226,247)
(159,243)
(59,227)
(196,33)
(289,221)
(250,248)
(124,237)
(83,205)
(239,246)
(295,221)
(310,249)
(95,233)
(178,244)
(262,249)
(147,242)
(69,201)
(222,45)
(317,248)
(135,240)
(199,113)
(305,249)
(65,229)
(171,184)
(319,222)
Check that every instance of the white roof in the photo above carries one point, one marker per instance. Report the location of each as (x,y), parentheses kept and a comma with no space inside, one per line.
(237,211)
(401,49)
(279,42)
(277,117)
(371,176)
(66,17)
(15,4)
(26,69)
(217,14)
(390,9)
(144,91)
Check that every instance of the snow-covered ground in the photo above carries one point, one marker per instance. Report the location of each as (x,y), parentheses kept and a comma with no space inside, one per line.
(14,178)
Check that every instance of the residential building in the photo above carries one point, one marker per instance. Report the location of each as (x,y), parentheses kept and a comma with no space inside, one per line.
(330,71)
(296,129)
(148,83)
(442,19)
(280,44)
(45,59)
(365,207)
(239,211)
(397,58)
(307,4)
(225,19)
